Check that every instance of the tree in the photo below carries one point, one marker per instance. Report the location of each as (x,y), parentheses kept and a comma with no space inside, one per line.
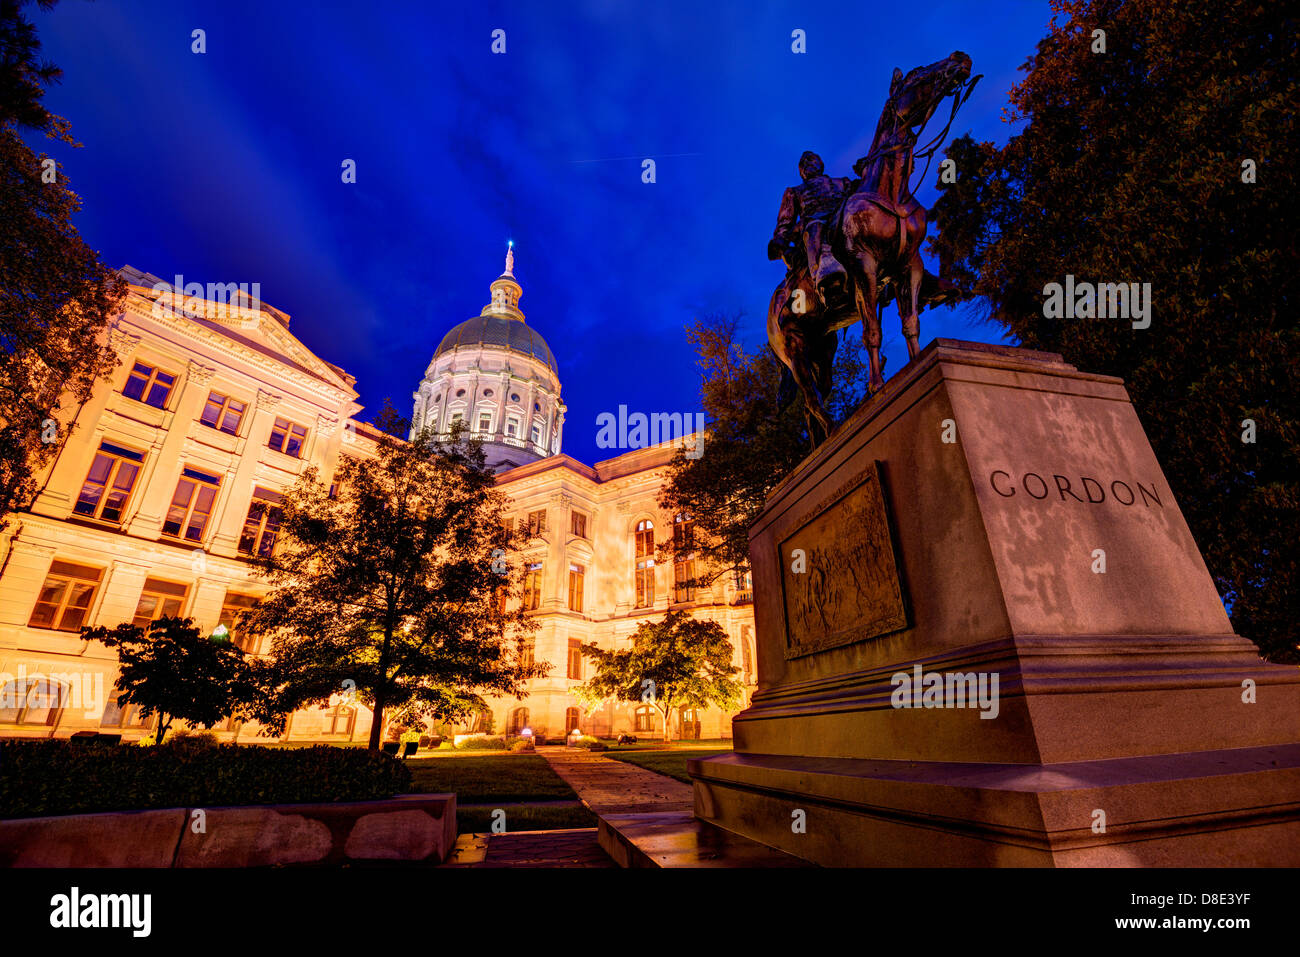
(396,589)
(679,662)
(1166,159)
(752,443)
(173,671)
(55,295)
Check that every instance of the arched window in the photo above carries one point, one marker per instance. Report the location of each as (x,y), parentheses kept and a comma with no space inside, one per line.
(645,563)
(571,719)
(747,653)
(645,718)
(518,720)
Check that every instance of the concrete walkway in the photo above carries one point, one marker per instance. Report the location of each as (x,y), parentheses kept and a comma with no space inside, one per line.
(604,785)
(608,786)
(577,847)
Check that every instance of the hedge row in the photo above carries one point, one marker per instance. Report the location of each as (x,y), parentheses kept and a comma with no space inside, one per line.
(46,777)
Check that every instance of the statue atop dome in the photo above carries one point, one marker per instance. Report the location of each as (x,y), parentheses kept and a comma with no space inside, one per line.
(506,291)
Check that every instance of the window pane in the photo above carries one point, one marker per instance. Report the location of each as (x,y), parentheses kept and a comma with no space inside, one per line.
(81,594)
(145,610)
(234,415)
(136,382)
(73,618)
(212,410)
(125,478)
(297,435)
(176,513)
(158,395)
(43,615)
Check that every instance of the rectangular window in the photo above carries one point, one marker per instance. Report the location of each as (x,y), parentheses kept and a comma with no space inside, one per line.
(534,525)
(187,516)
(683,573)
(159,599)
(32,701)
(341,718)
(575,658)
(109,482)
(288,438)
(537,435)
(126,716)
(223,413)
(527,653)
(262,523)
(149,385)
(512,427)
(578,524)
(485,422)
(645,582)
(231,609)
(576,575)
(533,587)
(64,600)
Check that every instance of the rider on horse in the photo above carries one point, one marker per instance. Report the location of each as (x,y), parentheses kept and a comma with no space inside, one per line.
(806,218)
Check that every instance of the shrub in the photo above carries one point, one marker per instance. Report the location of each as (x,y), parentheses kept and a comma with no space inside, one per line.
(187,740)
(521,745)
(483,744)
(46,777)
(591,744)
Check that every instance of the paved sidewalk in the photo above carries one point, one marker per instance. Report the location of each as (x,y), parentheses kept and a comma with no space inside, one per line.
(608,786)
(577,847)
(604,785)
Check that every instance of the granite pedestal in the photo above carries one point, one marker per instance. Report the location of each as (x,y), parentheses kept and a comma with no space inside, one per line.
(986,637)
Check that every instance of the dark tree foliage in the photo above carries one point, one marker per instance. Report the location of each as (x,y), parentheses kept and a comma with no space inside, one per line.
(752,442)
(1128,167)
(55,295)
(677,662)
(173,671)
(398,589)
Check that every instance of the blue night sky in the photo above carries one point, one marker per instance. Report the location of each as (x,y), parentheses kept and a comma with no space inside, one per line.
(226,166)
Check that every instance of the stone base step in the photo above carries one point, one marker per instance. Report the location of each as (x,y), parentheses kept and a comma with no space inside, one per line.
(679,839)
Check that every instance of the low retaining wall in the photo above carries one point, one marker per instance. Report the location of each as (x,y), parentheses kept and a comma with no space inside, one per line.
(412,827)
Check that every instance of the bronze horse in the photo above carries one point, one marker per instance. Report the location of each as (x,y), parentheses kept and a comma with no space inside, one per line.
(877,237)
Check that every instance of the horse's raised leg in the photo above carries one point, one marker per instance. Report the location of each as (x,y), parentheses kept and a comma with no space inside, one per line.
(864,289)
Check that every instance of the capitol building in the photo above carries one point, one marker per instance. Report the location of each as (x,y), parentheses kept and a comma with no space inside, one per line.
(167,481)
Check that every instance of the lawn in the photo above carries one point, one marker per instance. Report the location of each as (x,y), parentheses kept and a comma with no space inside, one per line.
(486,777)
(654,744)
(477,819)
(670,762)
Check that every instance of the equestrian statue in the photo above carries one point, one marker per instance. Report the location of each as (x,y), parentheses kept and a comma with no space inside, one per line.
(850,245)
